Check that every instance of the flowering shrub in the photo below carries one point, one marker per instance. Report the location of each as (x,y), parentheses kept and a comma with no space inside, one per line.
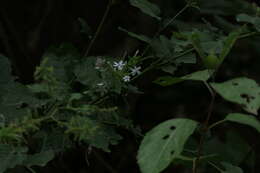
(71,103)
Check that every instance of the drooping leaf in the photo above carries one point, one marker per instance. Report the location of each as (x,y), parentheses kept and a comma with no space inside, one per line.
(196,76)
(249,19)
(85,28)
(243,91)
(164,143)
(39,159)
(137,36)
(244,119)
(229,168)
(228,43)
(147,7)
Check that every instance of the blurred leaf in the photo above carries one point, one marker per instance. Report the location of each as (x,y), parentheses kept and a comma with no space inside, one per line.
(255,21)
(228,43)
(147,7)
(86,72)
(92,132)
(137,36)
(11,156)
(233,149)
(39,159)
(229,168)
(244,119)
(196,76)
(243,91)
(164,143)
(85,28)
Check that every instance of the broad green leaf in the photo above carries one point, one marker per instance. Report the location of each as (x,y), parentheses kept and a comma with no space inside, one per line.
(243,91)
(196,76)
(229,168)
(137,36)
(147,7)
(244,119)
(39,159)
(164,143)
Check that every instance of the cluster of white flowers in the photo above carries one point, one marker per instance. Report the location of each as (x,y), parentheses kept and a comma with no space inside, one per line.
(118,65)
(133,71)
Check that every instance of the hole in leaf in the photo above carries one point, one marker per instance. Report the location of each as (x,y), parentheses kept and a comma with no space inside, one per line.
(166,137)
(172,127)
(247,97)
(234,83)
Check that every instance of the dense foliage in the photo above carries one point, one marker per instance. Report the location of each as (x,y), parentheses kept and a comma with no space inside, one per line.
(78,100)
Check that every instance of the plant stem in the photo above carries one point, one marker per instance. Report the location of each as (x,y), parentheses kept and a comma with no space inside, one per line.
(205,129)
(165,26)
(30,169)
(216,123)
(98,29)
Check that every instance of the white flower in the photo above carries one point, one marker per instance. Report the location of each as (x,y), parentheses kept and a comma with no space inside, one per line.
(126,78)
(135,70)
(100,84)
(119,65)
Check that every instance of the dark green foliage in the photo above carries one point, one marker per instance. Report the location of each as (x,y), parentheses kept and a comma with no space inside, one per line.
(84,102)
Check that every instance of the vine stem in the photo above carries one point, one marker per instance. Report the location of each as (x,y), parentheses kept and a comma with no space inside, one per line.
(165,26)
(205,128)
(30,169)
(98,29)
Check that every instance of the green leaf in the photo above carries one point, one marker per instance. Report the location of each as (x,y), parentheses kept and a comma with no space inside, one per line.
(164,143)
(137,36)
(147,7)
(86,72)
(244,119)
(249,19)
(229,168)
(85,28)
(196,76)
(93,132)
(228,43)
(39,159)
(243,91)
(231,148)
(11,156)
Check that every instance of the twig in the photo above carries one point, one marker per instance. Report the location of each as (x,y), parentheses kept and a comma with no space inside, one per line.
(165,26)
(105,164)
(205,128)
(98,29)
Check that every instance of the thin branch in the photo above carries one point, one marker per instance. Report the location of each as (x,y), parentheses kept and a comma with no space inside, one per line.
(98,29)
(205,129)
(165,26)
